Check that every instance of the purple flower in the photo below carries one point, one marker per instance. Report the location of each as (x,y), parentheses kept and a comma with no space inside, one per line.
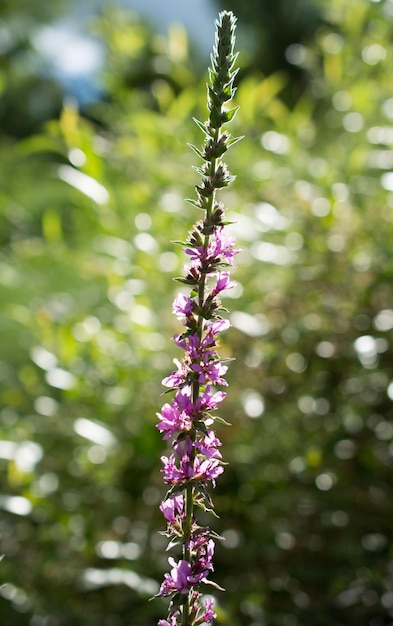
(178,377)
(172,620)
(206,401)
(220,248)
(182,307)
(172,420)
(172,507)
(178,579)
(209,614)
(204,562)
(208,446)
(200,468)
(218,326)
(184,402)
(210,370)
(196,254)
(223,282)
(210,401)
(172,475)
(223,246)
(190,343)
(192,272)
(208,469)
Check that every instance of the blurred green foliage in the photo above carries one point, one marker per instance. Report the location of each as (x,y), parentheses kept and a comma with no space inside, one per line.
(28,94)
(267,30)
(89,208)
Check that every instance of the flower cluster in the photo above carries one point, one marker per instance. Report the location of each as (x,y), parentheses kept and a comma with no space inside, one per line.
(187,421)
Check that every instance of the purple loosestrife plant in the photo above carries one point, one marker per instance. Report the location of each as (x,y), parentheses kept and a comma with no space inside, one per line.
(188,420)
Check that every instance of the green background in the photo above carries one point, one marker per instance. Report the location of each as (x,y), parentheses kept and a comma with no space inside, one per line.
(90,203)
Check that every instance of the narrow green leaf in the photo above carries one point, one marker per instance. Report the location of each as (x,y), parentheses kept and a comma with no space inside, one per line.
(178,600)
(200,125)
(177,242)
(200,170)
(173,490)
(201,427)
(219,419)
(207,509)
(230,113)
(186,281)
(234,140)
(215,117)
(211,583)
(194,203)
(196,150)
(173,544)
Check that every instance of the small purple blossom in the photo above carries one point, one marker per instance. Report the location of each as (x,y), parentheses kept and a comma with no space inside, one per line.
(210,370)
(218,326)
(178,579)
(223,282)
(209,614)
(223,247)
(209,469)
(220,250)
(210,401)
(187,469)
(172,420)
(208,446)
(172,474)
(172,507)
(204,559)
(173,621)
(178,377)
(182,307)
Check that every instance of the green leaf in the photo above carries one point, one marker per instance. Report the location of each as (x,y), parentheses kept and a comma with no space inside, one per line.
(207,509)
(178,600)
(194,203)
(173,490)
(214,98)
(211,583)
(201,125)
(186,281)
(220,420)
(201,427)
(178,242)
(230,113)
(233,140)
(216,118)
(215,535)
(173,544)
(196,150)
(200,170)
(203,491)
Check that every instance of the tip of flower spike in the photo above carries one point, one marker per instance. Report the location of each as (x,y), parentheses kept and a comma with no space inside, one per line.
(226,17)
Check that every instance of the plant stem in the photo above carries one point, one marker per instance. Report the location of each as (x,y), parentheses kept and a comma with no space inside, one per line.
(196,462)
(189,504)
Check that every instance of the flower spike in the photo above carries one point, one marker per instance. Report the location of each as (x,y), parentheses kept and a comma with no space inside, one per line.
(195,461)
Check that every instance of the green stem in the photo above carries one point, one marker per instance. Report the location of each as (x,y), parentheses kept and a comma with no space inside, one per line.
(189,495)
(189,504)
